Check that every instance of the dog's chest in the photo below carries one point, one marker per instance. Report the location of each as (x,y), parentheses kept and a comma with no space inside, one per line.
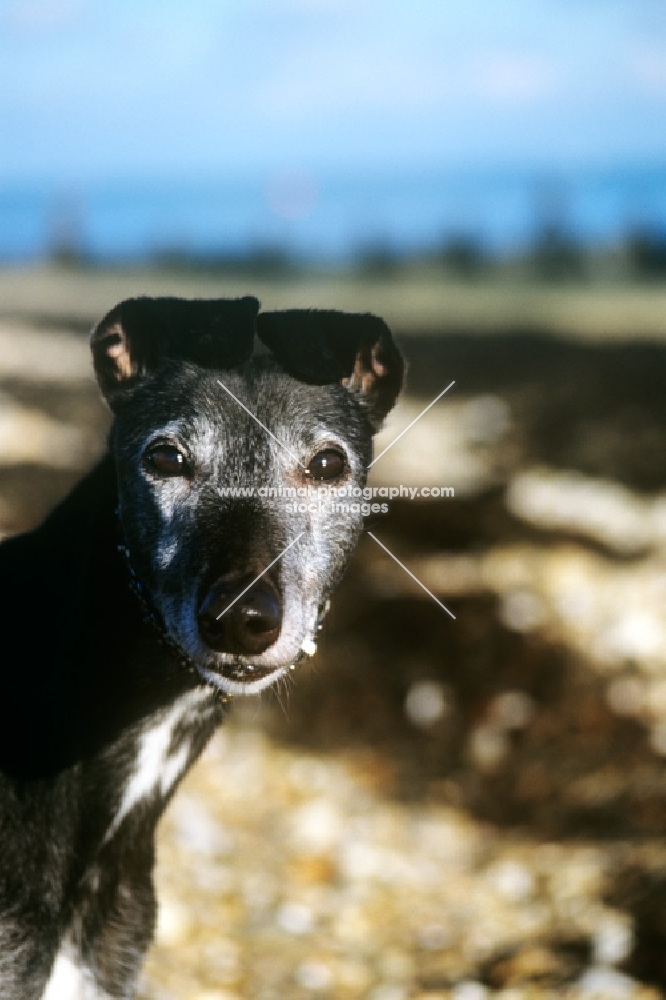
(70,979)
(151,760)
(111,912)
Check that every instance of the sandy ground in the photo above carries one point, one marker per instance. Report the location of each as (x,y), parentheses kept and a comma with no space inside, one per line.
(434,808)
(413,300)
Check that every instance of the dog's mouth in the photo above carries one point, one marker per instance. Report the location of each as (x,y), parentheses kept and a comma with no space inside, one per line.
(243,673)
(248,673)
(241,677)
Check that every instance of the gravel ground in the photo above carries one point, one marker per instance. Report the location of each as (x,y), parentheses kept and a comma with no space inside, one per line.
(432,808)
(287,874)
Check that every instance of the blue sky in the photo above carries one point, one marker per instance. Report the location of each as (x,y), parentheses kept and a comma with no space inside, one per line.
(156,88)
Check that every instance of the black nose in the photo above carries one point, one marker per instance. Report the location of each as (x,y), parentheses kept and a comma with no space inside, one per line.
(249,624)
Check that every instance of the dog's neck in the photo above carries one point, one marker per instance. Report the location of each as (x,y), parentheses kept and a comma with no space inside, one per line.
(149,613)
(99,668)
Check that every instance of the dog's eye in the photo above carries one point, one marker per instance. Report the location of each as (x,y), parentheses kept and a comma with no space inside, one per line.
(327,464)
(166,461)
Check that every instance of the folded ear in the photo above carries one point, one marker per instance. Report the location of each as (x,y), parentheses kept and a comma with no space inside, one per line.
(324,346)
(139,333)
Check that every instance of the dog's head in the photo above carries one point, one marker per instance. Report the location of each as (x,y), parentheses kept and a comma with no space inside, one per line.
(223,459)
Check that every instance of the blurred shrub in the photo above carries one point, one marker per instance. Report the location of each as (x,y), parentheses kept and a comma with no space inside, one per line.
(261,261)
(464,256)
(646,250)
(556,256)
(379,259)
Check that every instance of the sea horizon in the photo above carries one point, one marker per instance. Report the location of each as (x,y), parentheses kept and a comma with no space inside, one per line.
(324,217)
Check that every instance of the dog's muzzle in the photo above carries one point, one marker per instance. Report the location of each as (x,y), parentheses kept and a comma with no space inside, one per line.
(239,616)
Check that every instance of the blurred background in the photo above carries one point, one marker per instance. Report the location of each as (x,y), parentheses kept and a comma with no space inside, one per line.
(435,808)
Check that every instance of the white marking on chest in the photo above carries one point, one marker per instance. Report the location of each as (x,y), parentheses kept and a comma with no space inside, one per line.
(70,979)
(166,552)
(156,768)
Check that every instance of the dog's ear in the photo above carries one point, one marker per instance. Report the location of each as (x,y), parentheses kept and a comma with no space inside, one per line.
(324,346)
(139,333)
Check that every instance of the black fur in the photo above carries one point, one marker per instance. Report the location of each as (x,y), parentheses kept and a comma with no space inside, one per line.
(86,681)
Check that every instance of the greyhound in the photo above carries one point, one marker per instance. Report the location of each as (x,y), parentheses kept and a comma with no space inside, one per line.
(152,594)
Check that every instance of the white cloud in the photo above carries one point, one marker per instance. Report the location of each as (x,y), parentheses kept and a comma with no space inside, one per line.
(511,78)
(648,68)
(43,15)
(344,83)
